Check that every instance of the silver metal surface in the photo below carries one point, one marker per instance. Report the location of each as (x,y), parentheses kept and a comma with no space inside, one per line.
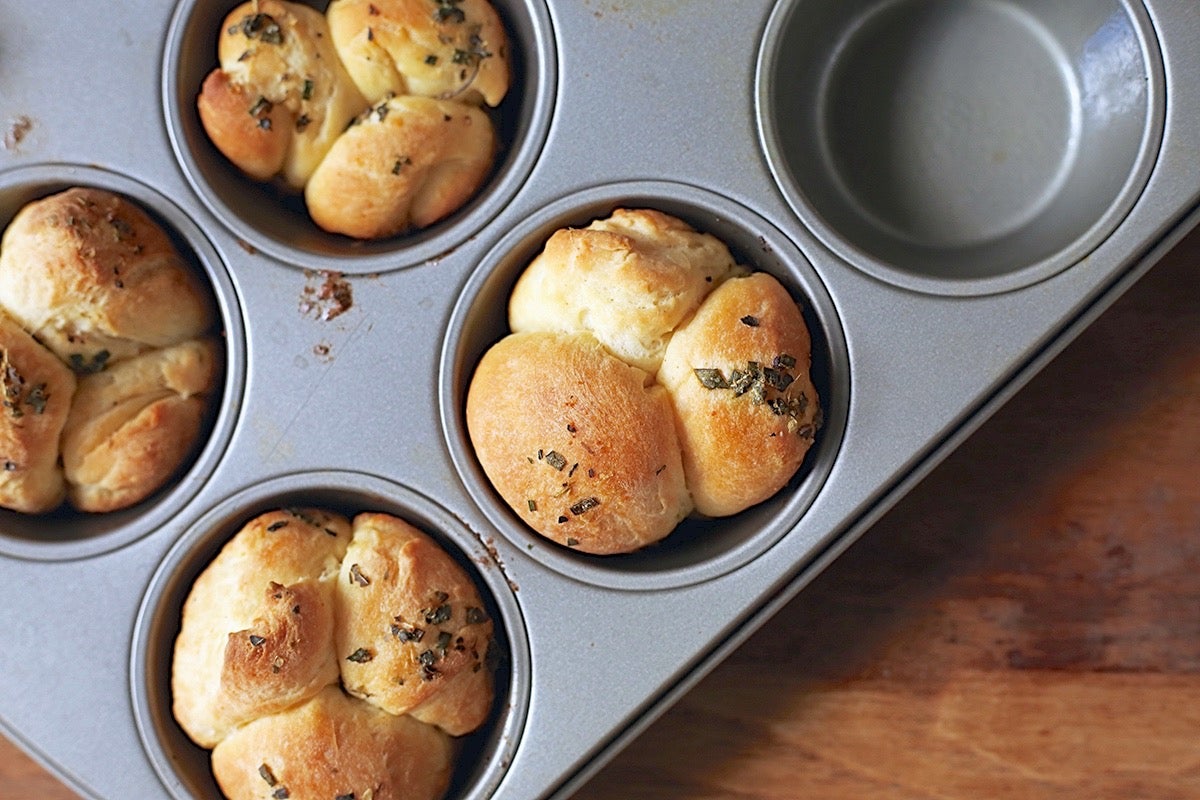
(945,234)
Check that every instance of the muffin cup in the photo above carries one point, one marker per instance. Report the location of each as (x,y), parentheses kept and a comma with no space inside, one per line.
(68,534)
(277,223)
(182,766)
(961,147)
(698,549)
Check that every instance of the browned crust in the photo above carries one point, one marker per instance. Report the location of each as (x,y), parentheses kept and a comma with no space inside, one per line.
(740,449)
(334,746)
(408,163)
(580,445)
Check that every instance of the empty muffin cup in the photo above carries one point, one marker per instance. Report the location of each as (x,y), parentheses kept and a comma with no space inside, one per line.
(184,768)
(277,222)
(65,533)
(698,548)
(961,147)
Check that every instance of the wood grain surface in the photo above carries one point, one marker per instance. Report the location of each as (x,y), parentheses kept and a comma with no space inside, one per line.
(1024,625)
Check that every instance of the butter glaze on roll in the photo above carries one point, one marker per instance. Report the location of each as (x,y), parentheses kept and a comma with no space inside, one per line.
(738,375)
(629,279)
(647,377)
(580,444)
(132,425)
(418,627)
(97,285)
(257,632)
(280,96)
(38,389)
(323,656)
(334,746)
(407,163)
(443,50)
(93,278)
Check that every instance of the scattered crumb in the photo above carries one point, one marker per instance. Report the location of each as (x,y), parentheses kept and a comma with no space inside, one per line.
(249,248)
(326,295)
(17,131)
(324,352)
(490,545)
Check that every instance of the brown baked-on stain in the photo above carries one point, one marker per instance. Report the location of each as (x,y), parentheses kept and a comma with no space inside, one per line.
(18,129)
(326,295)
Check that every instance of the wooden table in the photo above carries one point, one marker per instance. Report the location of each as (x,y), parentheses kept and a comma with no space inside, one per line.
(1025,624)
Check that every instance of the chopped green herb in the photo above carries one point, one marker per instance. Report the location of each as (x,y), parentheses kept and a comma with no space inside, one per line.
(532,505)
(476,616)
(36,398)
(448,11)
(357,576)
(360,656)
(307,92)
(302,123)
(262,27)
(584,505)
(407,633)
(431,60)
(556,460)
(784,360)
(572,541)
(261,106)
(750,321)
(82,365)
(711,378)
(438,615)
(267,775)
(274,526)
(257,640)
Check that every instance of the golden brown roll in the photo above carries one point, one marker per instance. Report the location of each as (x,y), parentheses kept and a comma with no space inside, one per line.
(738,375)
(37,392)
(629,279)
(412,631)
(407,163)
(333,747)
(280,96)
(442,49)
(580,444)
(133,425)
(96,280)
(257,628)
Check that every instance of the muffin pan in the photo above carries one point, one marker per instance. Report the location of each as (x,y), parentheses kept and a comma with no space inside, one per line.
(951,190)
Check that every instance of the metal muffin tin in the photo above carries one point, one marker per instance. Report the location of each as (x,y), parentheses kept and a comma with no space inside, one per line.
(952,189)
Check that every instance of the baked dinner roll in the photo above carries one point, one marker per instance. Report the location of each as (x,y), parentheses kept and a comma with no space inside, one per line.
(256,636)
(334,747)
(36,399)
(412,631)
(630,280)
(96,280)
(738,375)
(407,163)
(444,48)
(133,425)
(580,444)
(280,96)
